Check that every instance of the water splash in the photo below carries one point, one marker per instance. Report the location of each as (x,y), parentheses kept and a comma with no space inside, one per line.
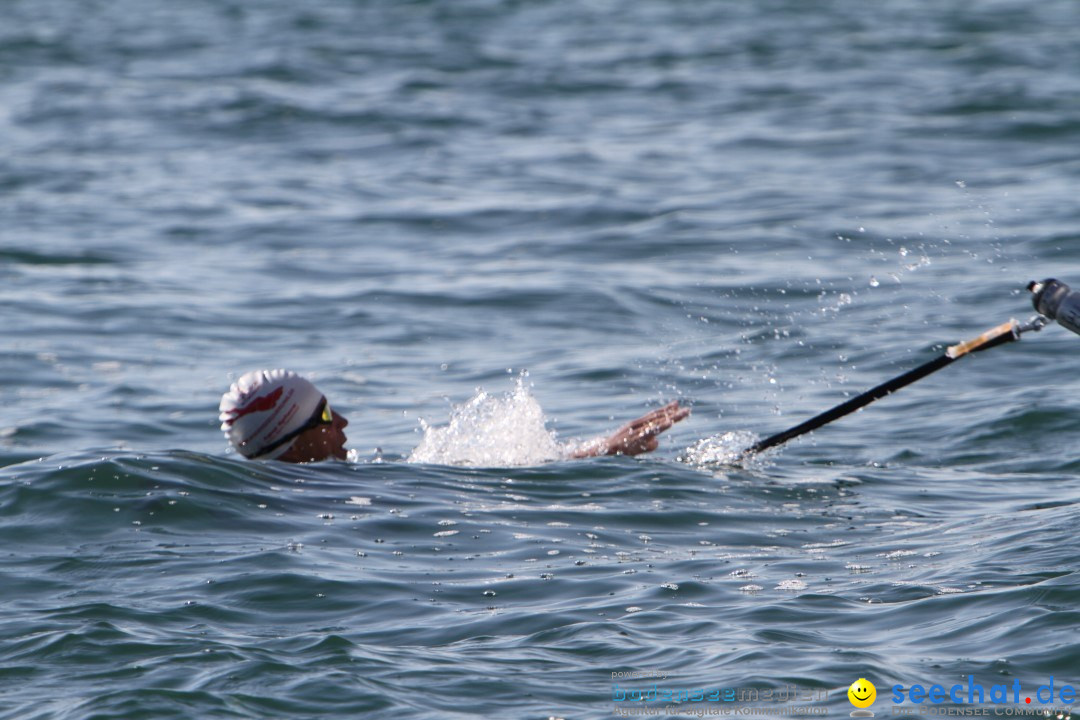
(724,449)
(491,431)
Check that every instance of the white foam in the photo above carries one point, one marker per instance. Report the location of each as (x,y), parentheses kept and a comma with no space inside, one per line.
(491,431)
(724,449)
(791,585)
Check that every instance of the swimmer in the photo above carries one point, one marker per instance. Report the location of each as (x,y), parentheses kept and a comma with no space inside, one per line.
(278,415)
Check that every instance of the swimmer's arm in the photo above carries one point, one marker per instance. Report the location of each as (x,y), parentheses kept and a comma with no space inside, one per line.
(637,436)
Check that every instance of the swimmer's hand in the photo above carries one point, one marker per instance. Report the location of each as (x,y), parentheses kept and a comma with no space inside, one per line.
(637,436)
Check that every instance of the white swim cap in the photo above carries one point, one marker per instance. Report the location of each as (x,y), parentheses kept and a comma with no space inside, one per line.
(264,406)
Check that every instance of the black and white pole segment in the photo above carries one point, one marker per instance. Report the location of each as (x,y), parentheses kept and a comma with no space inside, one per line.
(1004,333)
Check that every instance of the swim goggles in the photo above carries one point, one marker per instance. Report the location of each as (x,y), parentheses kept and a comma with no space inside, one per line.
(323,415)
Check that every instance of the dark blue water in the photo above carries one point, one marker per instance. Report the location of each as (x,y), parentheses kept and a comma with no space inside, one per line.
(759,209)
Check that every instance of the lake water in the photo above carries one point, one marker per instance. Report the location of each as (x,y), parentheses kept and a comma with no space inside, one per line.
(540,219)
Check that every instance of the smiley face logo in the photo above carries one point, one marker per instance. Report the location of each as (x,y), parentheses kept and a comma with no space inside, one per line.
(862,693)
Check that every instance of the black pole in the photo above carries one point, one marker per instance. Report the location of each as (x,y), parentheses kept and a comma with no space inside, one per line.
(1006,332)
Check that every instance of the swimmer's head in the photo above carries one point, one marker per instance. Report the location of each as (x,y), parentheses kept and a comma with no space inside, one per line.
(276,414)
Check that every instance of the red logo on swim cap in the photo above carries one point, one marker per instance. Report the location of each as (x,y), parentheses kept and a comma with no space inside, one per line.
(259,404)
